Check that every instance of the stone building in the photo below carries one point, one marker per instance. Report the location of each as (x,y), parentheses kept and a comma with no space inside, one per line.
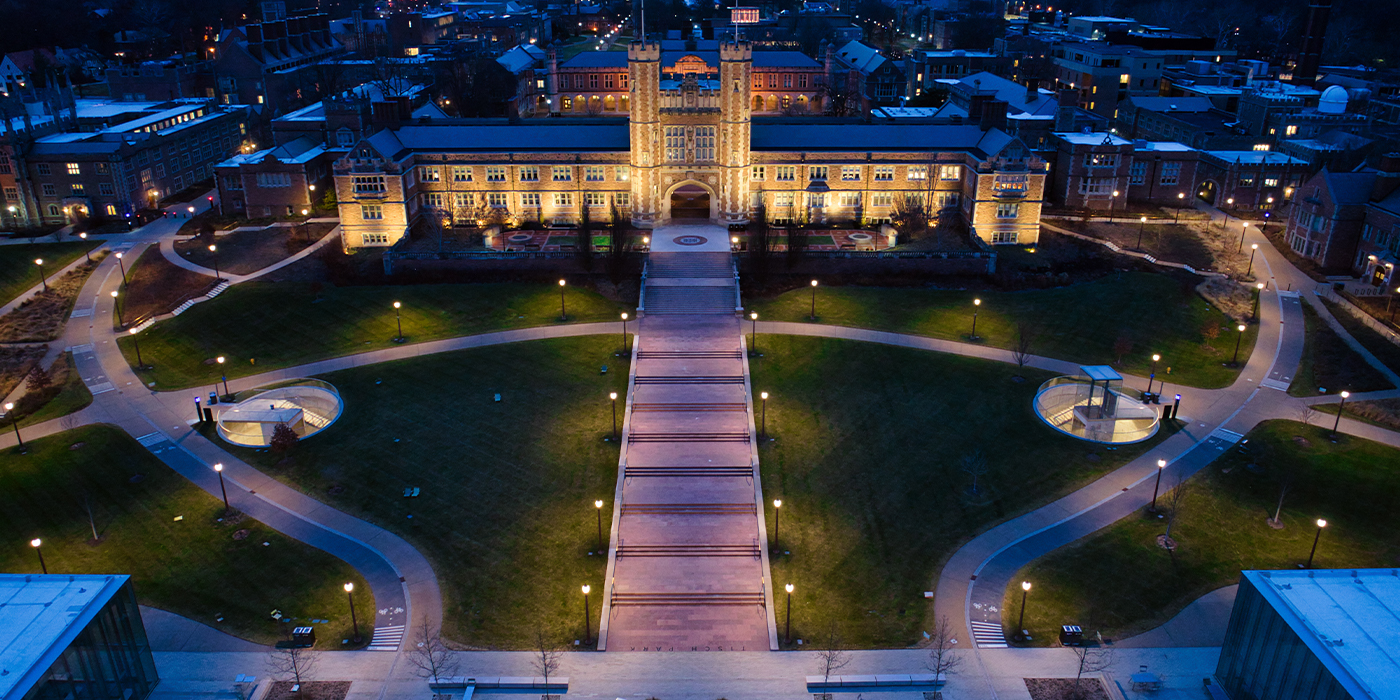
(689,148)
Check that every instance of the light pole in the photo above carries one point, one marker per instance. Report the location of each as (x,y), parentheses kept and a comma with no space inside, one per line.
(753,334)
(86,251)
(122,265)
(1180,202)
(354,622)
(10,409)
(1253,248)
(1161,467)
(624,334)
(1142,224)
(777,520)
(1258,295)
(787,632)
(1153,375)
(763,416)
(42,275)
(398,321)
(563,315)
(976,304)
(1320,524)
(117,300)
(1264,227)
(598,506)
(37,543)
(1111,202)
(1235,361)
(1335,424)
(305,229)
(1226,212)
(1244,228)
(613,397)
(222,374)
(1021,621)
(1392,313)
(587,617)
(814,300)
(219,469)
(137,344)
(215,250)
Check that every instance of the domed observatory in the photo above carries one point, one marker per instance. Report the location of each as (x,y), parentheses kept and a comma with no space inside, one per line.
(1092,406)
(307,406)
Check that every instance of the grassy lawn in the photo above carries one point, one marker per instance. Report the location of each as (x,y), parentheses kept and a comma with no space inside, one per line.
(1120,582)
(867,455)
(17,269)
(1155,313)
(192,566)
(246,252)
(261,326)
(42,317)
(506,513)
(1173,243)
(66,394)
(156,286)
(1331,364)
(1384,350)
(1382,412)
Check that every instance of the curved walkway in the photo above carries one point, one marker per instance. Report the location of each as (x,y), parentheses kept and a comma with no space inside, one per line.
(167,249)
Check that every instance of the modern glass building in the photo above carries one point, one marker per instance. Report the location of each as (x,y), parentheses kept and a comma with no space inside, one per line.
(72,638)
(1313,635)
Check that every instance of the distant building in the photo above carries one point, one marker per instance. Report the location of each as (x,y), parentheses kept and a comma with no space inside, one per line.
(160,80)
(1090,168)
(1256,180)
(923,69)
(73,636)
(272,65)
(876,79)
(1351,221)
(16,68)
(1312,635)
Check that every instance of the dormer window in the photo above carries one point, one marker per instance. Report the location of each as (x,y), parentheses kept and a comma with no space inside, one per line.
(345,138)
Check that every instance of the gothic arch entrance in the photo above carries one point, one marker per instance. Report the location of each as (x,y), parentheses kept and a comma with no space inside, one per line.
(690,200)
(1207,192)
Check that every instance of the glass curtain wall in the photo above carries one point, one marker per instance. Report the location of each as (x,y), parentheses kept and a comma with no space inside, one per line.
(111,658)
(1262,658)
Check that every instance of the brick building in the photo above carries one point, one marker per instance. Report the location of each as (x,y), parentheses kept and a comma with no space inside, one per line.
(689,150)
(1090,167)
(273,63)
(1255,180)
(1351,221)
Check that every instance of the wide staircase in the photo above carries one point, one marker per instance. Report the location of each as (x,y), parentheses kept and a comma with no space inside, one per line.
(689,565)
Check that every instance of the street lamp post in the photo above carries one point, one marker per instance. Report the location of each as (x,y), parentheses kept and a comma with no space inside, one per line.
(42,275)
(1335,424)
(1244,228)
(787,631)
(976,304)
(37,544)
(398,321)
(354,621)
(305,227)
(777,520)
(1112,201)
(219,469)
(814,300)
(1320,524)
(10,409)
(563,315)
(587,616)
(1235,361)
(1161,467)
(1226,212)
(753,334)
(1253,248)
(763,416)
(624,334)
(613,397)
(1151,377)
(86,251)
(1021,621)
(117,300)
(1142,224)
(215,250)
(122,265)
(1180,202)
(136,344)
(598,506)
(222,374)
(1258,295)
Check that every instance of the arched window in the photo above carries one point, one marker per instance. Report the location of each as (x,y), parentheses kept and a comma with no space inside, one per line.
(580,103)
(623,103)
(772,103)
(802,103)
(758,103)
(610,103)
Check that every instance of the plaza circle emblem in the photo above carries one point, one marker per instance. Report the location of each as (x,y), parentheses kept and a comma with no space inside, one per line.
(691,240)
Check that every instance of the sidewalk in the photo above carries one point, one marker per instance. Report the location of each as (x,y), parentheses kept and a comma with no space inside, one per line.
(167,249)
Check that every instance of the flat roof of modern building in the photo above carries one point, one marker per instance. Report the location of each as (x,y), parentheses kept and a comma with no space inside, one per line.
(1256,157)
(1346,617)
(1094,138)
(39,617)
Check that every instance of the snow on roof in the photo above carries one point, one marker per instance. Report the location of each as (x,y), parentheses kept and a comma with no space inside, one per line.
(1166,146)
(860,56)
(1012,93)
(1173,104)
(40,616)
(1346,618)
(1256,157)
(102,109)
(522,57)
(1095,138)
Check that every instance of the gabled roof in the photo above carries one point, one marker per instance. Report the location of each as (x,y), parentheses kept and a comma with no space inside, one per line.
(1349,188)
(1012,93)
(597,59)
(24,60)
(522,57)
(860,56)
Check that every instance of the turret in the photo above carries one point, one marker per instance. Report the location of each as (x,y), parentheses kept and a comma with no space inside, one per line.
(644,69)
(735,80)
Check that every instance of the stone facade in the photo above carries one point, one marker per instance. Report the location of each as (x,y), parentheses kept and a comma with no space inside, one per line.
(688,140)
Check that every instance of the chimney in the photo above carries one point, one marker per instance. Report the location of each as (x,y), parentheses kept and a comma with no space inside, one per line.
(993,115)
(255,40)
(1064,114)
(1032,90)
(975,104)
(1314,34)
(1388,179)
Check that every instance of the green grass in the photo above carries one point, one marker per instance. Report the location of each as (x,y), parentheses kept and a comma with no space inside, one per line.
(71,397)
(192,566)
(1158,313)
(506,513)
(17,269)
(1384,350)
(1118,580)
(1330,363)
(261,326)
(866,459)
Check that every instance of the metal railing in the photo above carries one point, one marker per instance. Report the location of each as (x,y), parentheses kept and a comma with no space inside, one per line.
(1056,402)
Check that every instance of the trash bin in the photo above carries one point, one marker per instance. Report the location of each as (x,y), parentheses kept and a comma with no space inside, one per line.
(304,636)
(213,398)
(1071,635)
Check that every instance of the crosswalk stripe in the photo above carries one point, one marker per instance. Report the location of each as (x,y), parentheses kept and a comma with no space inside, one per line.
(988,635)
(387,638)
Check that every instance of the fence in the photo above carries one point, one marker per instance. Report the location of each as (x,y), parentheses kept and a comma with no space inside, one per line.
(1328,292)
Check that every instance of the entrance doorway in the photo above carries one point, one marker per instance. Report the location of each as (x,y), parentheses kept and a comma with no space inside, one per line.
(690,202)
(1207,192)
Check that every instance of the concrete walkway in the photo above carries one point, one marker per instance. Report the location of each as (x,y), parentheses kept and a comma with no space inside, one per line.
(1200,624)
(167,249)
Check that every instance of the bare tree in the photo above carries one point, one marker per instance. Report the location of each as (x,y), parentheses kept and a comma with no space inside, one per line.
(1091,659)
(545,657)
(430,654)
(1174,500)
(1305,414)
(296,664)
(90,507)
(831,655)
(1025,337)
(910,216)
(390,78)
(974,463)
(943,655)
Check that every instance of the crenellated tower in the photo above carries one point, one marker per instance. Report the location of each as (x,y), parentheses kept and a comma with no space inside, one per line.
(644,69)
(735,68)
